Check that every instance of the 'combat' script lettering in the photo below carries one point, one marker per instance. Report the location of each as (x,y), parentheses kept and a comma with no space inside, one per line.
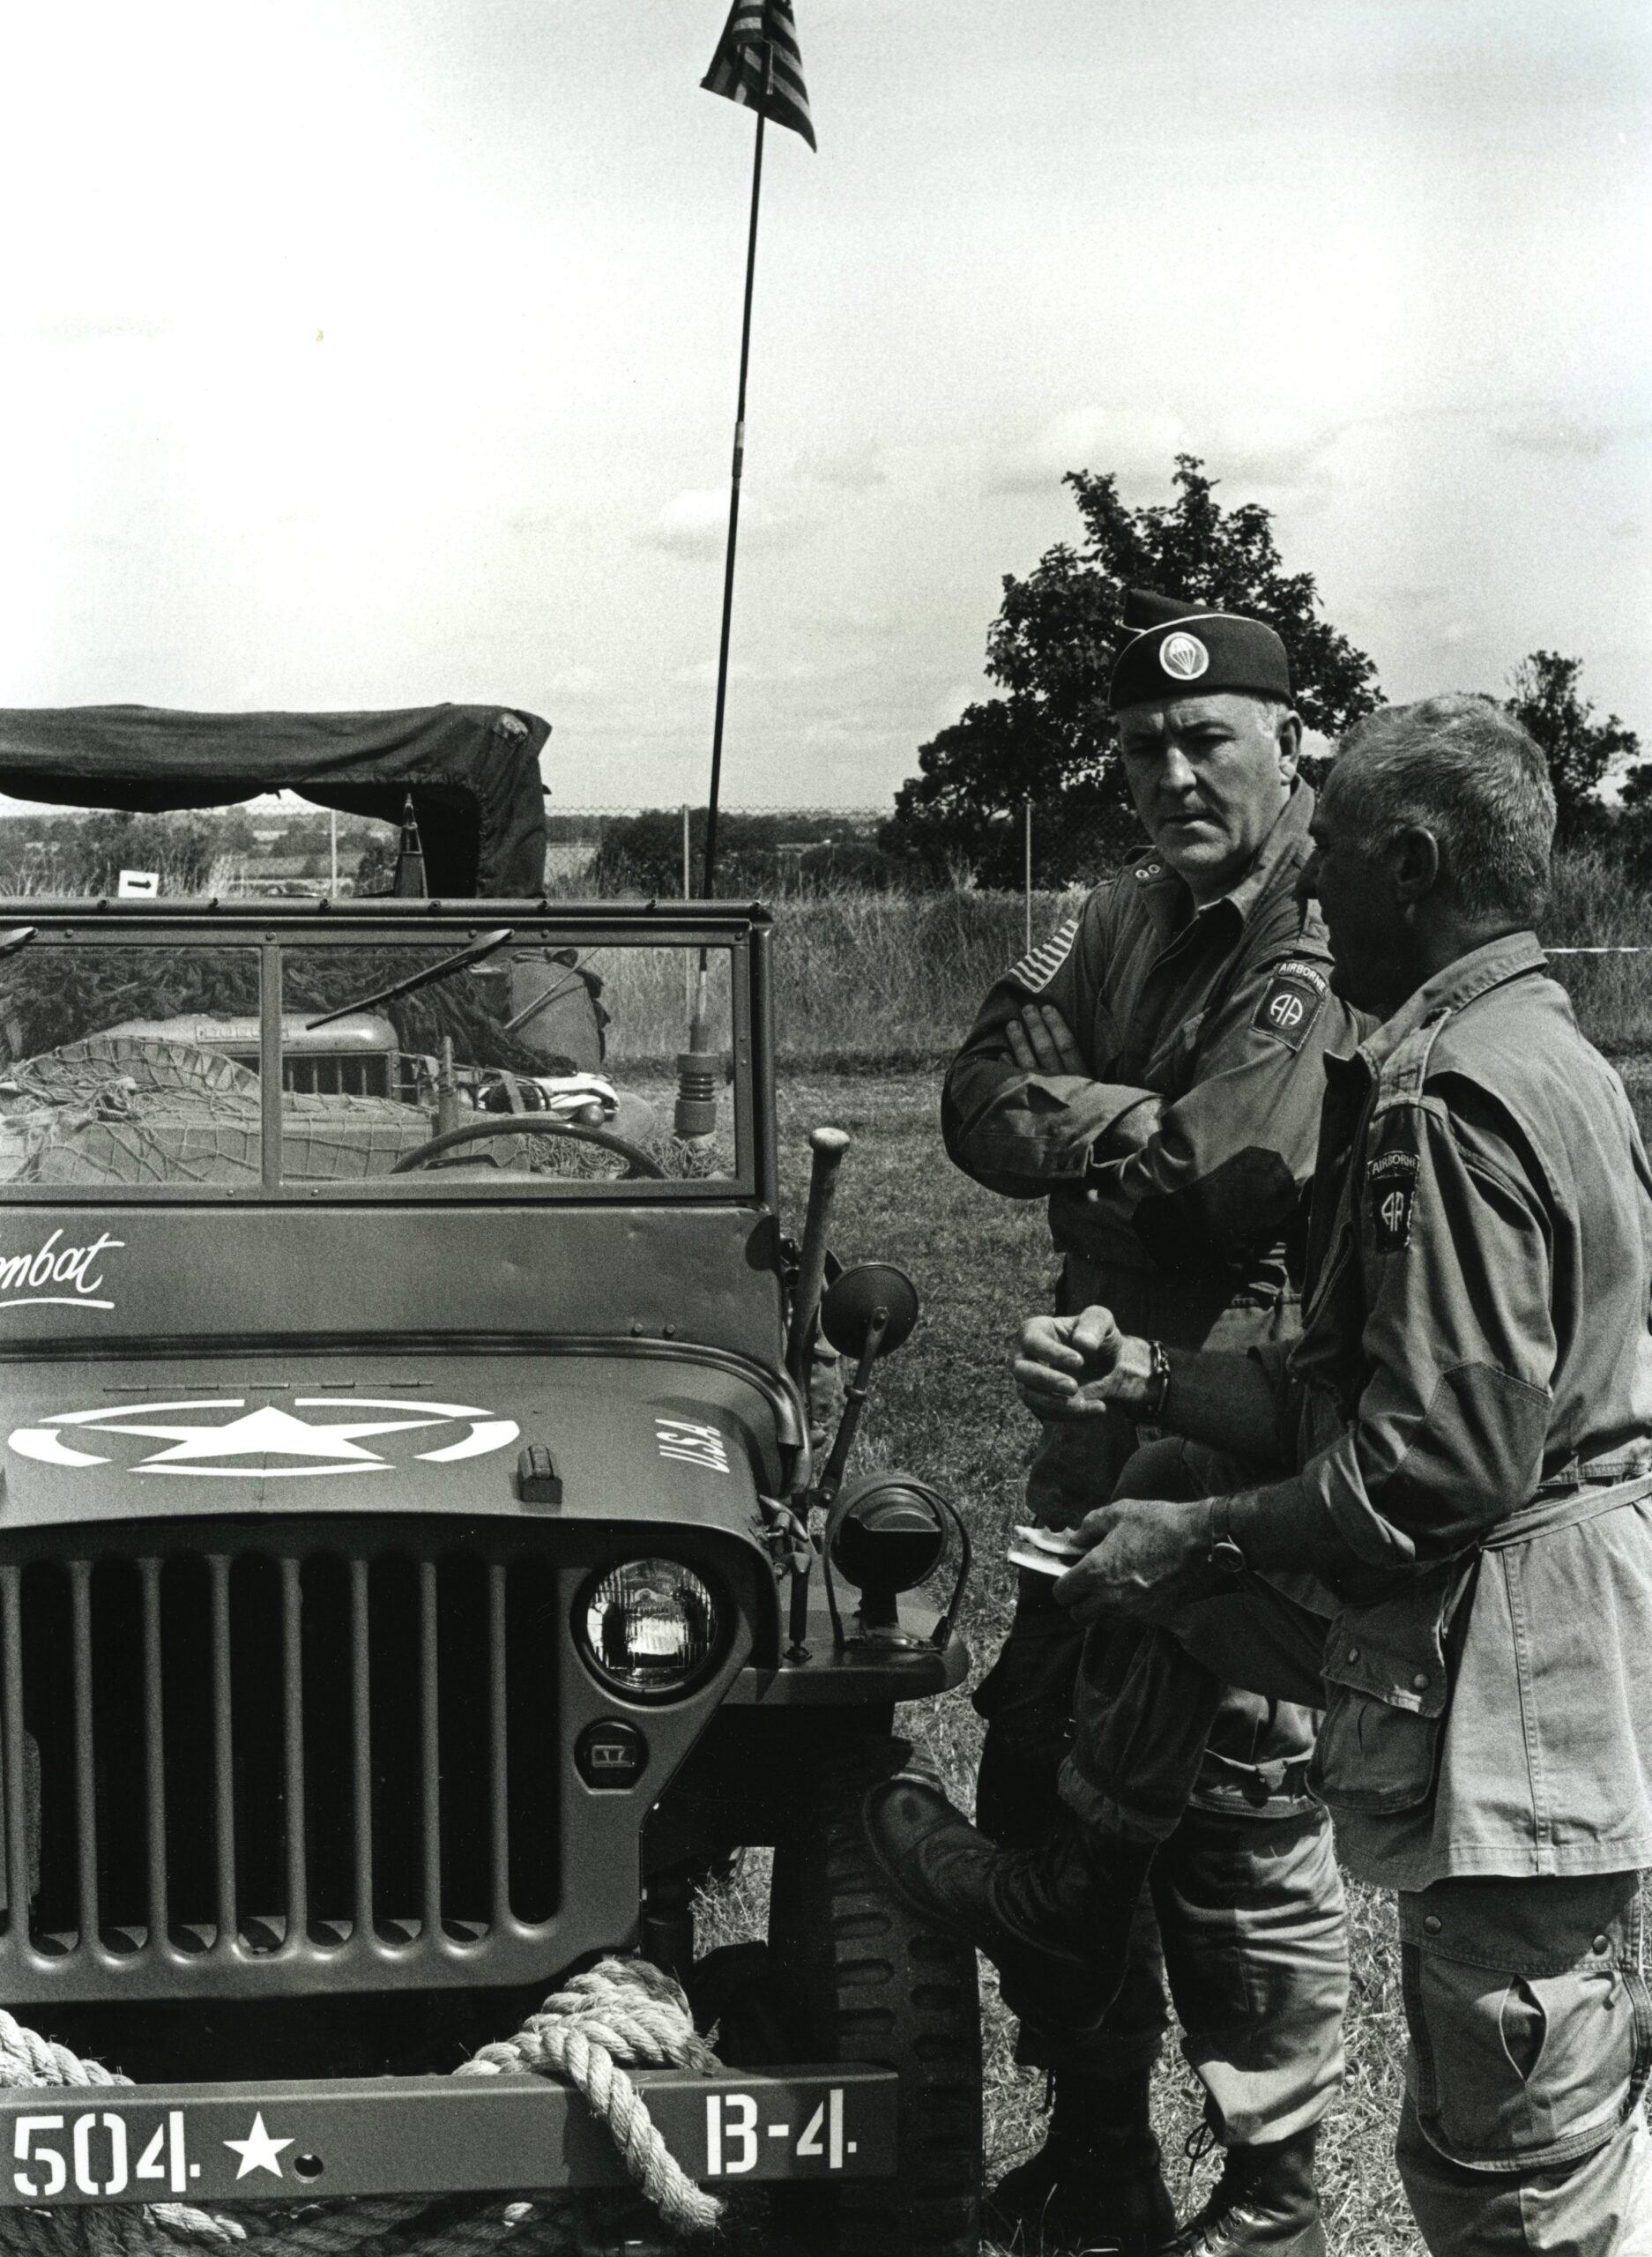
(24,1276)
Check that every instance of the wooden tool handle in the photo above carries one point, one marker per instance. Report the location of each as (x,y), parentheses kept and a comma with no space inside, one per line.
(827,1147)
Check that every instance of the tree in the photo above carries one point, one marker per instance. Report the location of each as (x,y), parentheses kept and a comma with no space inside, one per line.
(376,871)
(1051,648)
(1580,750)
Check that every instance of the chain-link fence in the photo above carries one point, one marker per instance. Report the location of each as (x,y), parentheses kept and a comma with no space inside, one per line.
(779,853)
(887,953)
(1038,850)
(892,929)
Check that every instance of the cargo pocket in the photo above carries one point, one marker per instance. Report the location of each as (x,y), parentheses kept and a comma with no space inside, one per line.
(1037,1667)
(1142,1721)
(1073,1469)
(1524,2066)
(1027,1700)
(1371,1757)
(1386,1692)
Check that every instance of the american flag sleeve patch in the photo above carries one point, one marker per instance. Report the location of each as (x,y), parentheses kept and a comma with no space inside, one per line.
(1040,966)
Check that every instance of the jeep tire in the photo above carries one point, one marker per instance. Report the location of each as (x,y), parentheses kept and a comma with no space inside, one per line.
(871,1981)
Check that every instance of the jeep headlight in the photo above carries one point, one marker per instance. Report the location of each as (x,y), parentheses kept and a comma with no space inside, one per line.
(650,1628)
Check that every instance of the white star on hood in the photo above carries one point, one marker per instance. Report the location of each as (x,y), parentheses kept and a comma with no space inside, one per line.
(258,2151)
(268,1431)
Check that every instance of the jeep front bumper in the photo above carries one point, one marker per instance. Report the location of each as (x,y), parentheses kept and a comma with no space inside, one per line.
(510,2134)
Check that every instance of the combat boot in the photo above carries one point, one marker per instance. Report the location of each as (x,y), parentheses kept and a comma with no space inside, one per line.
(1265,2201)
(1054,1921)
(1095,2184)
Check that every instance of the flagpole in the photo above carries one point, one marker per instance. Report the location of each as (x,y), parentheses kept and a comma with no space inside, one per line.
(710,887)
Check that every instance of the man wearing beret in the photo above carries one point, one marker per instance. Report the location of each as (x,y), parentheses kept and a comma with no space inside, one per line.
(1155,1072)
(1450,1543)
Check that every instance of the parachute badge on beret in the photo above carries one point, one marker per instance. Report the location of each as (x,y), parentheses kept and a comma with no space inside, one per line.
(1184,657)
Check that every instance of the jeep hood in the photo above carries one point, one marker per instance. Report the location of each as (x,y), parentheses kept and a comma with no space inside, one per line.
(682,1438)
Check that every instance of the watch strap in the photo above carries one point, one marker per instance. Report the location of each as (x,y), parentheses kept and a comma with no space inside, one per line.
(1157,1384)
(1226,1553)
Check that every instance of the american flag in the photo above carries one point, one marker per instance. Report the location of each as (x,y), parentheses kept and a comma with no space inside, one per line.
(737,67)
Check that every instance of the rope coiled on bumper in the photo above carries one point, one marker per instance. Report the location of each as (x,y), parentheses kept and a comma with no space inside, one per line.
(619,2011)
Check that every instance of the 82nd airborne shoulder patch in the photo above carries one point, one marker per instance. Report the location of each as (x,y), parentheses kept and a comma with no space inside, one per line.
(1292,1000)
(1391,1192)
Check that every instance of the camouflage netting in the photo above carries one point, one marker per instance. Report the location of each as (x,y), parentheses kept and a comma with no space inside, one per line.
(139,1110)
(142,1109)
(75,1073)
(88,989)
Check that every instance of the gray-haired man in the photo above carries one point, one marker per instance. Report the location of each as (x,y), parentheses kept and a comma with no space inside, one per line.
(1460,1563)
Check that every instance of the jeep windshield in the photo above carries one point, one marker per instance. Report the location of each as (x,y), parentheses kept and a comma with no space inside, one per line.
(371,1052)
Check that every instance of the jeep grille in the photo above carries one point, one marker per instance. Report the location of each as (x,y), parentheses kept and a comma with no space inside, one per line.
(277,1749)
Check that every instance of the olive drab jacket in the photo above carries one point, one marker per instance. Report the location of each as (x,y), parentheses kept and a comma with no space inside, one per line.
(1470,1403)
(1184,1147)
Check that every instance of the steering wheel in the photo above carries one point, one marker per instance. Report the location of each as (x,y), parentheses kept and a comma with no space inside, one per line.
(532,1124)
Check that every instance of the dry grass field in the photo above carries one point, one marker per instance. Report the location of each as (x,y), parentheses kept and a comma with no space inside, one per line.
(891,978)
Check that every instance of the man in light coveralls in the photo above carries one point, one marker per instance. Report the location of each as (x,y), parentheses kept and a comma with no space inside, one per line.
(1155,1072)
(1453,1551)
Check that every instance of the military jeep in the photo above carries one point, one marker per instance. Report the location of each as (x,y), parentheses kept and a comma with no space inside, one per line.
(416,1580)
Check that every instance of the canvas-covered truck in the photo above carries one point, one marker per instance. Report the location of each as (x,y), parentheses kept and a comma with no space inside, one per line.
(416,1581)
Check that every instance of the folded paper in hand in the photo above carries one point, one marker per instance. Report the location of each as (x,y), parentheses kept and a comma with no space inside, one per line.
(1047,1551)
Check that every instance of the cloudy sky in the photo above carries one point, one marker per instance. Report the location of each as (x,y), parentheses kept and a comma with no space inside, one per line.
(366,352)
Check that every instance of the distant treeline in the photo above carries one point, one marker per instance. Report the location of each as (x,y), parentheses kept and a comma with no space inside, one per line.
(764,854)
(194,850)
(771,856)
(774,855)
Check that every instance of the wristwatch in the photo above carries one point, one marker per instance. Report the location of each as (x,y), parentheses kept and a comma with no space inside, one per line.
(1141,1396)
(1225,1554)
(1157,1386)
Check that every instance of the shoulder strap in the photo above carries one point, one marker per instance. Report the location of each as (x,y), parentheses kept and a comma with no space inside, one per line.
(1402,1073)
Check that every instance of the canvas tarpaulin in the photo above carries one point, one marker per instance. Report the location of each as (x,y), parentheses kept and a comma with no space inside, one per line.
(473,770)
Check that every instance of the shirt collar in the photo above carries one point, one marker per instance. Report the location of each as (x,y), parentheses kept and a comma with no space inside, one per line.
(1507,957)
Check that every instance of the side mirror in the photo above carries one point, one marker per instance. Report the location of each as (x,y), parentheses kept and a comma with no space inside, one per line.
(848,1312)
(864,1313)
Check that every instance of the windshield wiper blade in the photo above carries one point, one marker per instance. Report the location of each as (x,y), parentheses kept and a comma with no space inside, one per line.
(489,944)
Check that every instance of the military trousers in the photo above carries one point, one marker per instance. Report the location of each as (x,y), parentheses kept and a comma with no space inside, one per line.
(1528,2012)
(1243,1917)
(1530,2040)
